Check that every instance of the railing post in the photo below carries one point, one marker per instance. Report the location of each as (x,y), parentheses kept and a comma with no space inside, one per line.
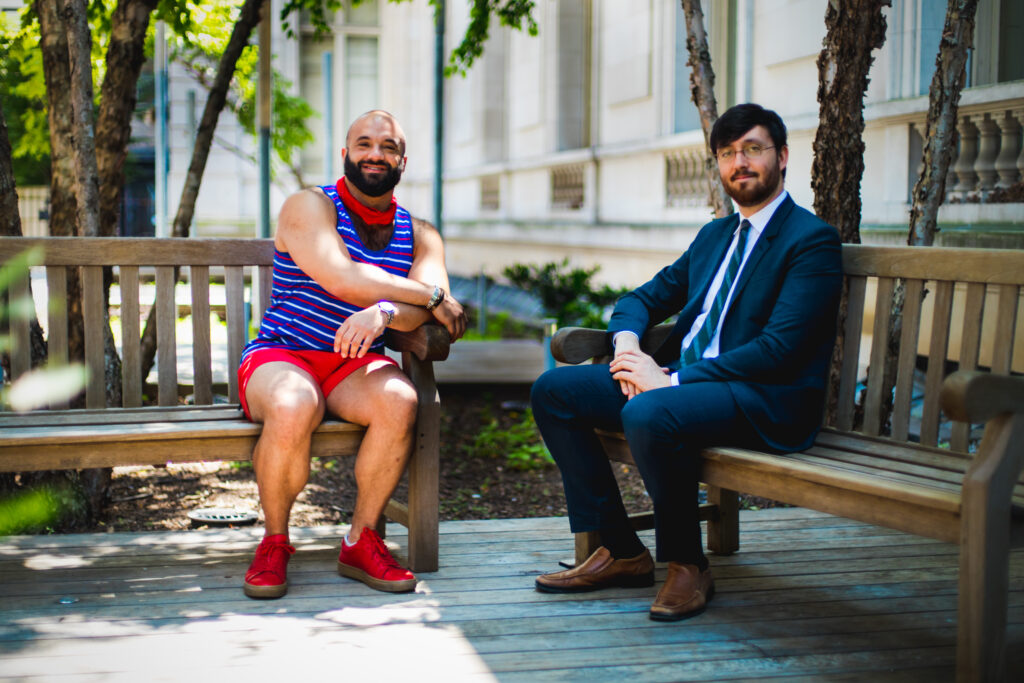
(1006,162)
(966,178)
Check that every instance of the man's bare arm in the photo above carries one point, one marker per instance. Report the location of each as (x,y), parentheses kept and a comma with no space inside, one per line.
(307,231)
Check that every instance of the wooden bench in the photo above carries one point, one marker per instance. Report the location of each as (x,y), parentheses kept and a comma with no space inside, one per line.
(133,434)
(853,470)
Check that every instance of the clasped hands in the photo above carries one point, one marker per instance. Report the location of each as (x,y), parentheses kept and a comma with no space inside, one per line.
(355,336)
(636,371)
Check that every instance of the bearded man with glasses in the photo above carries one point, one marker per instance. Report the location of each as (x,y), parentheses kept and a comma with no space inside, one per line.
(756,295)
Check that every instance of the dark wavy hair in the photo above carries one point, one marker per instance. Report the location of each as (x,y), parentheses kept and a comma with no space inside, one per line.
(737,120)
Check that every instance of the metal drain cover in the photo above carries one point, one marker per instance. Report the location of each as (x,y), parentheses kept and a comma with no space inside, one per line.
(221,517)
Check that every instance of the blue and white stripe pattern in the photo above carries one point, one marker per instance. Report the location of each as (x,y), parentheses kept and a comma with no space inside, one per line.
(302,314)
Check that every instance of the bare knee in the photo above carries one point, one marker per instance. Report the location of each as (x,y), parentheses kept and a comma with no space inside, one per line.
(291,410)
(397,404)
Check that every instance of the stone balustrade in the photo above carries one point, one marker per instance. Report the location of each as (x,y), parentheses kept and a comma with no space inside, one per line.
(989,160)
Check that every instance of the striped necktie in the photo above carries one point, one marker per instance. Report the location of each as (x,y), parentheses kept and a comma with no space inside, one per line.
(699,343)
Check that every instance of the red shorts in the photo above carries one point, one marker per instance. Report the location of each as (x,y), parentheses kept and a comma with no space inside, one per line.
(327,367)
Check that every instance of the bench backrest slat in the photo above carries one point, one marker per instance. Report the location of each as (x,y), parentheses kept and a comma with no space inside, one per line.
(1006,324)
(92,318)
(131,352)
(166,319)
(142,251)
(970,350)
(235,292)
(938,349)
(907,361)
(202,360)
(265,280)
(851,352)
(21,356)
(873,398)
(57,323)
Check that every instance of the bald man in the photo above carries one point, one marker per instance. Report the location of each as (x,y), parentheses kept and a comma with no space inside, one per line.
(349,262)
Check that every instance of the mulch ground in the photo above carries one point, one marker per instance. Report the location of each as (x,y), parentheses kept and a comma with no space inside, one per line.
(477,482)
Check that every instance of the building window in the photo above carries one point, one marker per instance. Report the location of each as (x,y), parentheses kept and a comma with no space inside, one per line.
(720,34)
(573,74)
(490,193)
(567,187)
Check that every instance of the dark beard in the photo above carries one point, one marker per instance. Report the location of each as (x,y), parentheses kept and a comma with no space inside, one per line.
(374,188)
(756,193)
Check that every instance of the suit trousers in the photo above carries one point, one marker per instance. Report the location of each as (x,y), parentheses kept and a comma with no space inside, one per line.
(666,429)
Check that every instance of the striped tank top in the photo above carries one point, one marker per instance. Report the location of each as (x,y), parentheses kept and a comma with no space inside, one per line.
(302,314)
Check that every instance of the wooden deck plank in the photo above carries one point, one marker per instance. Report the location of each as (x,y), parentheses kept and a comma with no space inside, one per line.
(808,597)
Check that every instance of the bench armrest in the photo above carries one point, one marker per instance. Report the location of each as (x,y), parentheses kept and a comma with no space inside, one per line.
(577,344)
(972,396)
(427,342)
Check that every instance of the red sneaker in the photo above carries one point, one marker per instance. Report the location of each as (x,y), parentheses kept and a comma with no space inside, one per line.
(370,562)
(267,576)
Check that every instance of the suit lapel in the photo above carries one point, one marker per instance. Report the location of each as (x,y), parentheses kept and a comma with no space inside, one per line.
(763,244)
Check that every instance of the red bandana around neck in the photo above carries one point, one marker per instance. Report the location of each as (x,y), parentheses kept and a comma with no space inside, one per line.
(369,215)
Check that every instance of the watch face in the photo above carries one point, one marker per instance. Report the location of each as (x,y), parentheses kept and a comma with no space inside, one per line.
(387,307)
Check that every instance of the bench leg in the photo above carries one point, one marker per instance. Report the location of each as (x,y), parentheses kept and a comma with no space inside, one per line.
(424,469)
(984,551)
(724,527)
(586,543)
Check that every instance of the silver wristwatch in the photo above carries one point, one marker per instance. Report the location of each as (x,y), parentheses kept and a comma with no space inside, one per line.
(389,310)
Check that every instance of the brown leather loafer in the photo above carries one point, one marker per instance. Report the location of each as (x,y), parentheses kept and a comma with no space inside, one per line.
(600,570)
(686,593)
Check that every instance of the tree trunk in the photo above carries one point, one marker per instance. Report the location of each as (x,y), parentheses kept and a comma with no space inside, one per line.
(939,144)
(940,126)
(57,73)
(125,56)
(702,84)
(83,141)
(854,28)
(94,482)
(247,21)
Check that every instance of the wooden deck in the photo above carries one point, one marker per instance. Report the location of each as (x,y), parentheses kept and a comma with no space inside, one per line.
(808,597)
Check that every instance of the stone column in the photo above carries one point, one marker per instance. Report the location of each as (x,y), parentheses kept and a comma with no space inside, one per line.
(1006,162)
(966,178)
(988,150)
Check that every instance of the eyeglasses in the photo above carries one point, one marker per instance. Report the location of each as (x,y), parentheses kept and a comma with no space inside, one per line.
(750,151)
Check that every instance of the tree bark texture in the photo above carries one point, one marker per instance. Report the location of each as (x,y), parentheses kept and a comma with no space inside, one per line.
(702,84)
(248,19)
(125,56)
(940,126)
(83,132)
(853,29)
(10,224)
(57,73)
(939,145)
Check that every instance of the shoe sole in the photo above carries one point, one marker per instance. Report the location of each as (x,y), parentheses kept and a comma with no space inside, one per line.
(378,584)
(639,581)
(265,592)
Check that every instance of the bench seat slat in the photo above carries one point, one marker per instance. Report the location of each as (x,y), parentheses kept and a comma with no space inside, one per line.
(882,447)
(853,462)
(145,431)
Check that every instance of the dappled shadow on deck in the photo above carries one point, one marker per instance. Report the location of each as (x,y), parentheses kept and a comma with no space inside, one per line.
(808,595)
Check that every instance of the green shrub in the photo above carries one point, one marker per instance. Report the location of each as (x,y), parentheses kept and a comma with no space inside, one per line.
(567,294)
(519,443)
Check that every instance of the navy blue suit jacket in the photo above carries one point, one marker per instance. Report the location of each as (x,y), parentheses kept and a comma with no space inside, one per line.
(777,336)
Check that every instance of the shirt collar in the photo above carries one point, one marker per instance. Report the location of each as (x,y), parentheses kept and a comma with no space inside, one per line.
(760,219)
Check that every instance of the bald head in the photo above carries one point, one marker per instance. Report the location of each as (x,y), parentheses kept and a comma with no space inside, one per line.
(376,123)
